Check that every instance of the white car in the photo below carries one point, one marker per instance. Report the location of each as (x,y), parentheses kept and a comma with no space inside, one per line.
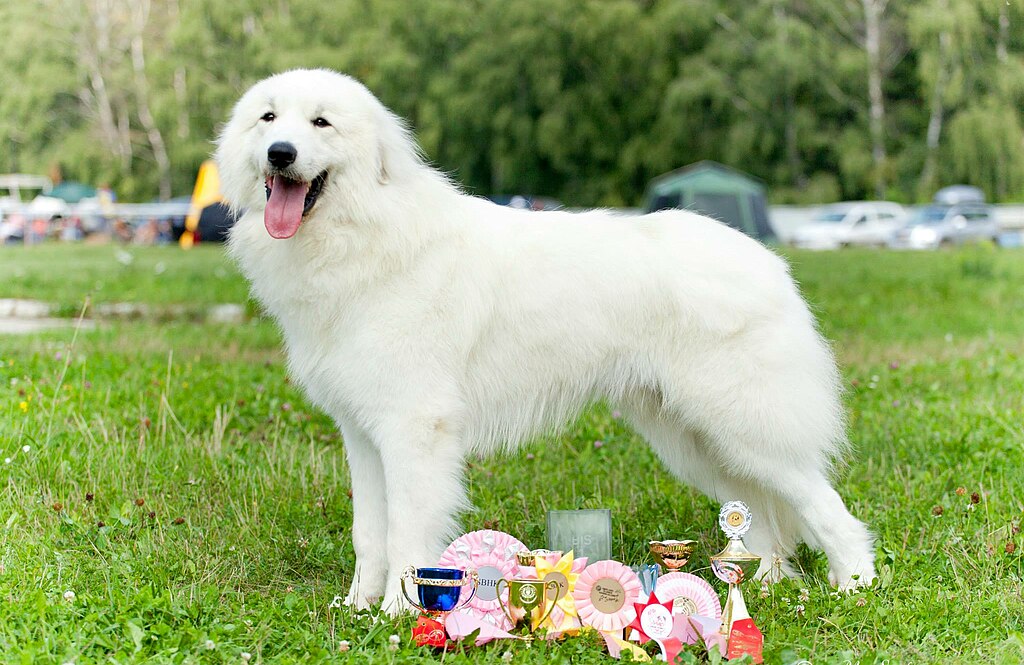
(869,223)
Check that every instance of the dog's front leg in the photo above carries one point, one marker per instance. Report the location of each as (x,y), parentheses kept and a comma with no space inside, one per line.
(423,469)
(369,515)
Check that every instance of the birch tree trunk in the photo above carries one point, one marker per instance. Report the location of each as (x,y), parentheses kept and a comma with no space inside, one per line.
(796,169)
(94,47)
(938,110)
(873,10)
(140,15)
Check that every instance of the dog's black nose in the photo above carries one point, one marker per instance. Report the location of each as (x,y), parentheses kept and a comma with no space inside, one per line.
(281,154)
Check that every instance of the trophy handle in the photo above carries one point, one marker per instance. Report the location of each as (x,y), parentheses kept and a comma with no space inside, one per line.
(504,608)
(474,579)
(408,574)
(551,602)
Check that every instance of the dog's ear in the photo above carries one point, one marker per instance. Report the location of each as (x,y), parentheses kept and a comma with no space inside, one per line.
(396,149)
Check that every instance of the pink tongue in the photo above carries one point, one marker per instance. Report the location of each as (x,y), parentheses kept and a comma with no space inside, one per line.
(283,213)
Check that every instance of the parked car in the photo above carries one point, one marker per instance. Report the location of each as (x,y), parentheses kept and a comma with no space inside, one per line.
(957,215)
(942,225)
(838,225)
(956,194)
(528,202)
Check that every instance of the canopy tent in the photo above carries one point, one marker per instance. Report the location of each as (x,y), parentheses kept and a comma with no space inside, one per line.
(717,191)
(72,192)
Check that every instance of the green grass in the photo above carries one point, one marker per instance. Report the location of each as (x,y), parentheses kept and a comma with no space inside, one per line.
(160,276)
(242,535)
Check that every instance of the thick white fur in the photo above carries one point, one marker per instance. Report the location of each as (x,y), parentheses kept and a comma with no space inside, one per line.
(431,324)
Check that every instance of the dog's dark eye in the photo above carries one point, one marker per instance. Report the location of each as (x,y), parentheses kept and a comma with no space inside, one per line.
(268,117)
(321,122)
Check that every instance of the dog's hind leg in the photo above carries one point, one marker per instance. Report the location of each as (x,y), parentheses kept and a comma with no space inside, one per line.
(827,523)
(776,426)
(369,512)
(682,451)
(782,463)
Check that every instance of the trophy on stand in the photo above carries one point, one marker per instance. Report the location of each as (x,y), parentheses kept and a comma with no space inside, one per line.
(528,558)
(733,565)
(437,595)
(671,555)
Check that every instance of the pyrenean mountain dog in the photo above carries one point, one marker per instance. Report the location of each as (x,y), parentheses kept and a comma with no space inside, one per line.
(432,325)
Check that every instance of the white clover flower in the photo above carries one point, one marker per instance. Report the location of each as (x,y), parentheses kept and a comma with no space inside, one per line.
(799,609)
(343,645)
(507,656)
(804,596)
(392,647)
(69,596)
(394,639)
(246,656)
(26,448)
(7,460)
(210,646)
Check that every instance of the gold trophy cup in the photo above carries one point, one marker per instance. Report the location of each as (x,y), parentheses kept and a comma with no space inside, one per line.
(531,597)
(529,557)
(672,555)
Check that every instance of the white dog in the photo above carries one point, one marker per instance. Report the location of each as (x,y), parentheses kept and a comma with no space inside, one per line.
(431,324)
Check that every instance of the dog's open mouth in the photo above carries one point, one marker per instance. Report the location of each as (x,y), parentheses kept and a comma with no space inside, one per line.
(288,201)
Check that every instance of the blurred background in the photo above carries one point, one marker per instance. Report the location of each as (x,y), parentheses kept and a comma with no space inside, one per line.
(583,103)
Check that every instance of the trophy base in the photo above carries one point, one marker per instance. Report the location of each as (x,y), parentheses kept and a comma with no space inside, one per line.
(746,639)
(429,632)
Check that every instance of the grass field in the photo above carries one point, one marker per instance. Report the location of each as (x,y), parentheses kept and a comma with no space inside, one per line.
(171,498)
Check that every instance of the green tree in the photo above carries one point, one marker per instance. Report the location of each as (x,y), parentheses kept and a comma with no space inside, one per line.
(584,100)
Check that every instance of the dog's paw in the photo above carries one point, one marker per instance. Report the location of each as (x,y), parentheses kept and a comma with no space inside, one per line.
(360,601)
(848,583)
(774,569)
(395,604)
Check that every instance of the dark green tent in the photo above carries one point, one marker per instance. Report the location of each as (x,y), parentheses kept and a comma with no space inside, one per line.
(72,192)
(717,191)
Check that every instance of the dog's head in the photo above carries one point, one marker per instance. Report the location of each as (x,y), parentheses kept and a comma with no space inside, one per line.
(306,144)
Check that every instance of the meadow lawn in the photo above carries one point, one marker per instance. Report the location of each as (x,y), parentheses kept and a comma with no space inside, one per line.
(169,497)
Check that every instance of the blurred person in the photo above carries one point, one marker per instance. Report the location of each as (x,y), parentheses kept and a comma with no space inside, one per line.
(12,229)
(164,232)
(146,233)
(122,232)
(71,229)
(106,198)
(38,229)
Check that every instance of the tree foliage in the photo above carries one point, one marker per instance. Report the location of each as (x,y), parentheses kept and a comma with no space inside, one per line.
(584,100)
